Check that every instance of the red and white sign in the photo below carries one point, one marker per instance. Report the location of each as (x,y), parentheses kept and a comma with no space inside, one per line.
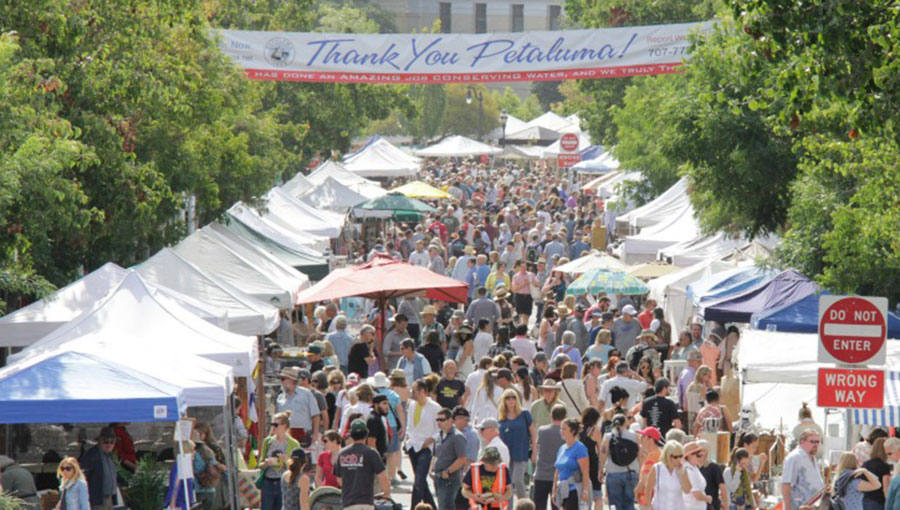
(461,58)
(842,387)
(852,329)
(569,142)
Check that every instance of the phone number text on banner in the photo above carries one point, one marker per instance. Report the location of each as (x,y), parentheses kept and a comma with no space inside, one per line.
(460,58)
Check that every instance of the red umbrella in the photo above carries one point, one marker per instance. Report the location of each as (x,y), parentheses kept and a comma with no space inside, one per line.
(384,278)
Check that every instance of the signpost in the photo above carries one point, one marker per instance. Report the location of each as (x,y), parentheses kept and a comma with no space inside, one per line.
(852,334)
(568,151)
(857,389)
(852,330)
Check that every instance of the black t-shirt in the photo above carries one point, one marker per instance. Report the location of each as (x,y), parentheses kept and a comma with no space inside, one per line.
(357,466)
(659,412)
(356,359)
(449,392)
(435,356)
(331,400)
(712,473)
(377,430)
(880,469)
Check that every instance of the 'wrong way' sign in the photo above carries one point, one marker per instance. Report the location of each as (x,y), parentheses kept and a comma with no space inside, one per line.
(858,389)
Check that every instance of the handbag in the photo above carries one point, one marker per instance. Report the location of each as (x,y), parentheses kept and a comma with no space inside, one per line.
(259,479)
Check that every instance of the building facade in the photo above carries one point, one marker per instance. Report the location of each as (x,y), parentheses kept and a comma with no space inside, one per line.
(465,16)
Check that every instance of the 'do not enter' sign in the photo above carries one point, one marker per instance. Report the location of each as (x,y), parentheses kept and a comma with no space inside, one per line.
(852,329)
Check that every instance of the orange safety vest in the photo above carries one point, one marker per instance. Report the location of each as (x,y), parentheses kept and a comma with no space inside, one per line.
(499,487)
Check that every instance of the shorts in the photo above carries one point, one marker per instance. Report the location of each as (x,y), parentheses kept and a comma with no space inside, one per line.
(597,494)
(524,303)
(394,444)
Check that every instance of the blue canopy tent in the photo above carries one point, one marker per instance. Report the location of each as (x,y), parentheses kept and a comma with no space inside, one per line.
(787,287)
(592,152)
(73,387)
(730,282)
(803,317)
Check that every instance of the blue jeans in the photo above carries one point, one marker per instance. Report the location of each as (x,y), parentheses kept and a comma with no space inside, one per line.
(620,488)
(421,463)
(271,494)
(446,489)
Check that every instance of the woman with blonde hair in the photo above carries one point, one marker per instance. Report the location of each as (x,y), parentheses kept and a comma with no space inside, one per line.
(73,489)
(329,355)
(275,451)
(851,481)
(696,391)
(668,480)
(518,433)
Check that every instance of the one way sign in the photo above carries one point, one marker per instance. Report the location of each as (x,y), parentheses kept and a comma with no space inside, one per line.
(857,389)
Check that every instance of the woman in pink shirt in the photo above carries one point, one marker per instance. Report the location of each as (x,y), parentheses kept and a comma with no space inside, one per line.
(709,349)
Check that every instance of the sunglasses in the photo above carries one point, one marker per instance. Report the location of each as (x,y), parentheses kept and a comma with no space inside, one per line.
(676,456)
(816,441)
(441,420)
(67,468)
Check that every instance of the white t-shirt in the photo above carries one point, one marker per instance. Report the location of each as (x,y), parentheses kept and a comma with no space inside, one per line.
(483,341)
(524,347)
(501,446)
(634,388)
(472,382)
(698,483)
(802,473)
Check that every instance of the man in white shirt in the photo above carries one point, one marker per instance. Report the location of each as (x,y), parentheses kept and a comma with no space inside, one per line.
(421,429)
(489,430)
(801,478)
(474,379)
(522,345)
(419,257)
(483,339)
(623,379)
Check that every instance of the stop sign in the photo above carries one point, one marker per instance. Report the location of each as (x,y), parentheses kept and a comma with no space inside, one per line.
(569,142)
(852,329)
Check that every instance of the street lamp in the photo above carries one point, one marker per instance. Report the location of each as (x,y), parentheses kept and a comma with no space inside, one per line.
(503,118)
(472,92)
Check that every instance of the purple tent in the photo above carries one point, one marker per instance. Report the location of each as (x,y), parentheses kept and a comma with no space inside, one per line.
(787,287)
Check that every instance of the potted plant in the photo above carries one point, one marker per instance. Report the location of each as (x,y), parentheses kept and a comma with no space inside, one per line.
(145,489)
(10,502)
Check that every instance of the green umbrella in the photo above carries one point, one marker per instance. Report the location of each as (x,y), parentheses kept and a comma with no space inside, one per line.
(396,206)
(596,281)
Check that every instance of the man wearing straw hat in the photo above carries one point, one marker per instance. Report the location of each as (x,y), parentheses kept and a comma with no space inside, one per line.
(301,403)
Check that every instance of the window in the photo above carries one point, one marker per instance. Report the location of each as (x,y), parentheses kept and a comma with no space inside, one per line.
(518,18)
(553,14)
(480,18)
(445,17)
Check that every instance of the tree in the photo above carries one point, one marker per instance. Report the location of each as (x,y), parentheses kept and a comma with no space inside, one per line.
(547,93)
(461,118)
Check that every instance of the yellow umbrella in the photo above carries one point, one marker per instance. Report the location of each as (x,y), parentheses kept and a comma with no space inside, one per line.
(419,189)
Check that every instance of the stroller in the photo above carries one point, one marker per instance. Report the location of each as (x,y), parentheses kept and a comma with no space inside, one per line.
(329,498)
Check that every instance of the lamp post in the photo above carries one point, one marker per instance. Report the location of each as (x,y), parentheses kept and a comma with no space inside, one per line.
(503,118)
(477,94)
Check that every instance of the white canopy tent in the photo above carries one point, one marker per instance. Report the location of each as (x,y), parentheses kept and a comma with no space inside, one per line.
(333,196)
(458,147)
(31,323)
(265,227)
(221,263)
(644,246)
(701,248)
(513,124)
(336,171)
(133,315)
(551,121)
(522,152)
(297,185)
(247,315)
(664,207)
(670,291)
(293,214)
(260,258)
(381,159)
(534,135)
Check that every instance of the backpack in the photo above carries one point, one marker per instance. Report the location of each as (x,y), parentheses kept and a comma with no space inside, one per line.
(622,451)
(636,356)
(212,474)
(532,254)
(836,501)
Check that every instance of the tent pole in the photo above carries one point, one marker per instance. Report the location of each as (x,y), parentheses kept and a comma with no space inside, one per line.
(228,418)
(182,476)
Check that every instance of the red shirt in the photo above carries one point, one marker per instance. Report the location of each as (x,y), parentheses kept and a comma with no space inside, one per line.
(125,445)
(645,318)
(327,467)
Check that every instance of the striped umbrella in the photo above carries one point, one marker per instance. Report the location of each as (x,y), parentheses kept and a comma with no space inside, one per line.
(596,281)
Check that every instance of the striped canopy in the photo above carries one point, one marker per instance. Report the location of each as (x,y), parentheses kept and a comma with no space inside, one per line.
(889,415)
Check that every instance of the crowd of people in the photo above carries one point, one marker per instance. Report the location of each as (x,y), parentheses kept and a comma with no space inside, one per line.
(523,396)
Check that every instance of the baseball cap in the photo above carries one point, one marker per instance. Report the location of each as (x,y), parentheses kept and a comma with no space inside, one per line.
(489,423)
(303,374)
(352,379)
(651,432)
(314,349)
(491,455)
(460,411)
(597,313)
(381,397)
(358,426)
(607,316)
(628,310)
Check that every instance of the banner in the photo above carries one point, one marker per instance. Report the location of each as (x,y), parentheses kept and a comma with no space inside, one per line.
(460,58)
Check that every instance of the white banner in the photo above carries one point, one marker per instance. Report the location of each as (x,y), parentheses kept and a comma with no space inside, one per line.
(460,58)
